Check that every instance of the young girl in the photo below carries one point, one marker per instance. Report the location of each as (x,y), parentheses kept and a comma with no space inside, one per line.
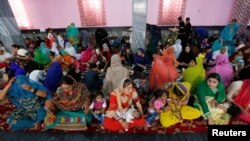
(157,106)
(98,106)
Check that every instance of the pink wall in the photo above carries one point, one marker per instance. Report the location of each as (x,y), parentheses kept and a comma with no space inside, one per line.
(153,10)
(60,13)
(201,12)
(36,13)
(118,12)
(209,12)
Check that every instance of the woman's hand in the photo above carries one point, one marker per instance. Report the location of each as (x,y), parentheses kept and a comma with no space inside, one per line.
(210,121)
(11,82)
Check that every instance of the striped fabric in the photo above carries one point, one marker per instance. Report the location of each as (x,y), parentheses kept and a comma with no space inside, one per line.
(92,12)
(170,10)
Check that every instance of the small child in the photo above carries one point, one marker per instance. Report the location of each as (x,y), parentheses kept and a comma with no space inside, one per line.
(239,61)
(98,106)
(142,84)
(129,115)
(157,106)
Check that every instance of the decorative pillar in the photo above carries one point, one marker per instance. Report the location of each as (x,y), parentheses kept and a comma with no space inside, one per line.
(139,24)
(9,30)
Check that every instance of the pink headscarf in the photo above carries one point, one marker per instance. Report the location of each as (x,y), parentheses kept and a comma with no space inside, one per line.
(224,68)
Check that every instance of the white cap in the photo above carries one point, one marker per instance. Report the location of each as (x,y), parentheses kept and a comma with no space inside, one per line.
(22,52)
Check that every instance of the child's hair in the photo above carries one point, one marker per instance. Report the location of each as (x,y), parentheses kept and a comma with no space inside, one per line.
(52,54)
(96,93)
(137,114)
(92,65)
(127,82)
(159,93)
(193,59)
(233,110)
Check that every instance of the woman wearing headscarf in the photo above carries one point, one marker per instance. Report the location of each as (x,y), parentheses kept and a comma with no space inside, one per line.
(177,109)
(54,48)
(121,98)
(53,75)
(178,48)
(4,55)
(195,73)
(29,98)
(163,70)
(41,54)
(89,55)
(224,68)
(228,34)
(115,73)
(211,97)
(71,106)
(141,60)
(170,53)
(72,34)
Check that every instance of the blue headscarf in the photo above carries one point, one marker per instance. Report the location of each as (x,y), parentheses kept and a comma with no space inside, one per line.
(53,77)
(16,92)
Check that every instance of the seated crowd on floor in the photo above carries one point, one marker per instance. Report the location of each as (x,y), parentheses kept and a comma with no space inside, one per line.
(67,81)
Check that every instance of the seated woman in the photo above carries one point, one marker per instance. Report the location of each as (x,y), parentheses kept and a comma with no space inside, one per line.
(238,93)
(211,96)
(163,70)
(127,95)
(115,73)
(53,75)
(71,106)
(141,60)
(178,110)
(29,97)
(89,55)
(224,68)
(195,73)
(41,54)
(185,57)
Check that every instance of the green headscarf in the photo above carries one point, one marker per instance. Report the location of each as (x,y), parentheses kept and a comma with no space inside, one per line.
(203,91)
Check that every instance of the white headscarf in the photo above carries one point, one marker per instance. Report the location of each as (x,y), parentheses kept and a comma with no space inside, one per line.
(71,51)
(177,47)
(54,48)
(5,54)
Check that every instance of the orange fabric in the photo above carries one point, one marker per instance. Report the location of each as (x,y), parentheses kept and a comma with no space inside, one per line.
(170,52)
(163,70)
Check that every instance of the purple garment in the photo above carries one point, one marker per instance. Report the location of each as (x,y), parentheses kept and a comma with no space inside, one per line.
(98,105)
(142,60)
(53,77)
(224,68)
(16,70)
